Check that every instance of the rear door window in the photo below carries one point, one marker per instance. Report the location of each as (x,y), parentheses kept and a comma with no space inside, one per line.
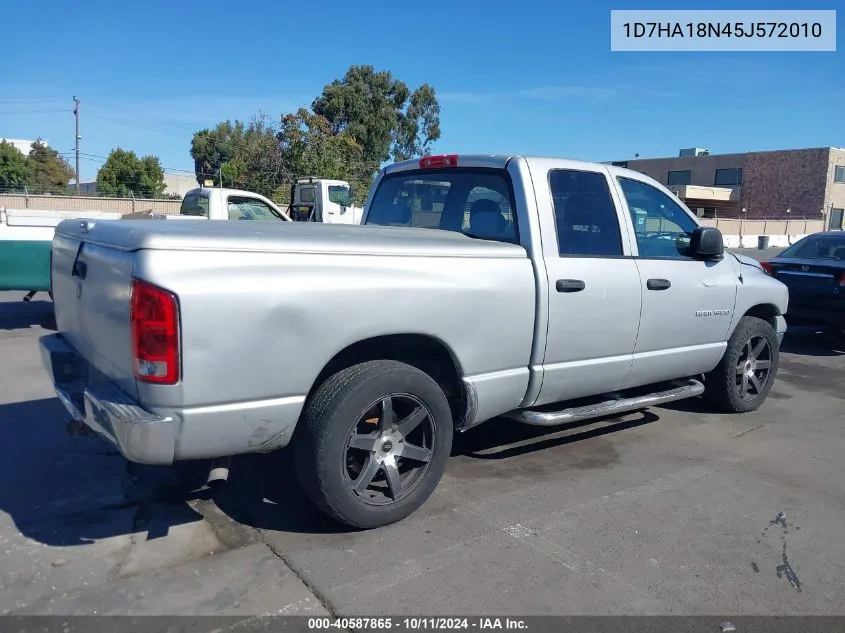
(475,202)
(585,216)
(817,247)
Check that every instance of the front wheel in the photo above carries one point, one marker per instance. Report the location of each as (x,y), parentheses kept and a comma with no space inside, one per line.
(742,380)
(374,443)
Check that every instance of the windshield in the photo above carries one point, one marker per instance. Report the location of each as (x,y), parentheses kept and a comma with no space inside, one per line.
(475,202)
(817,247)
(242,208)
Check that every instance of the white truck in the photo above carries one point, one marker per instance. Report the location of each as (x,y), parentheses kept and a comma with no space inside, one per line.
(324,200)
(314,200)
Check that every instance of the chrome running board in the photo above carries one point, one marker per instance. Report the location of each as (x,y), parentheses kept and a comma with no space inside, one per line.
(615,403)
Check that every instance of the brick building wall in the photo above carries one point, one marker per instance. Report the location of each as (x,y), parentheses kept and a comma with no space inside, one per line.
(835,193)
(773,182)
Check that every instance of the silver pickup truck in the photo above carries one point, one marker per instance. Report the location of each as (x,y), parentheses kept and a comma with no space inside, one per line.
(544,290)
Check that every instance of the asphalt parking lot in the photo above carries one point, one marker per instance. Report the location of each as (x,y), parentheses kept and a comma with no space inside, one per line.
(674,510)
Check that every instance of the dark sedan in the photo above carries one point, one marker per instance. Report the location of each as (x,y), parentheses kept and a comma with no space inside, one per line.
(814,271)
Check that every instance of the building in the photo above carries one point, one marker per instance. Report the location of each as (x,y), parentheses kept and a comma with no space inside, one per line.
(179,184)
(174,184)
(780,184)
(23,145)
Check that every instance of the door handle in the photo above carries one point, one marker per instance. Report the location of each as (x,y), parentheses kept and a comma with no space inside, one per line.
(658,284)
(570,285)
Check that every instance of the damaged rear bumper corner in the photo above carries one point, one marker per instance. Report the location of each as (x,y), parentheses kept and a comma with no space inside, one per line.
(141,436)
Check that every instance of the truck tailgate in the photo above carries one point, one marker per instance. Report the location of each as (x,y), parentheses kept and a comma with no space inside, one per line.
(91,287)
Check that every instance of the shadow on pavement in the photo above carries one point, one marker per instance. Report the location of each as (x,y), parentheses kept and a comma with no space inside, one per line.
(17,315)
(813,341)
(496,439)
(63,491)
(263,491)
(76,490)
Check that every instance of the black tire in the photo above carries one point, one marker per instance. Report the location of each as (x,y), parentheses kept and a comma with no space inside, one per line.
(726,384)
(344,406)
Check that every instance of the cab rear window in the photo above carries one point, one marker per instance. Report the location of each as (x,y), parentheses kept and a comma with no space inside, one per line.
(194,204)
(475,202)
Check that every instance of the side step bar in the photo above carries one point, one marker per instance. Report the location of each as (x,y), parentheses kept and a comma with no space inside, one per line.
(617,403)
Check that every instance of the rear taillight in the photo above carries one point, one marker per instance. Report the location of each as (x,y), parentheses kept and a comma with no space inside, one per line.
(154,319)
(842,280)
(767,267)
(445,160)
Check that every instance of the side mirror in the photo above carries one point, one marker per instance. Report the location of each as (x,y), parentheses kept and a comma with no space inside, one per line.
(706,243)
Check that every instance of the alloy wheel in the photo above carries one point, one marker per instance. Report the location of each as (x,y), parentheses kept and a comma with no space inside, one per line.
(389,449)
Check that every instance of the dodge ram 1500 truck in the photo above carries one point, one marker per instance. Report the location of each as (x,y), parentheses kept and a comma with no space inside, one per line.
(544,290)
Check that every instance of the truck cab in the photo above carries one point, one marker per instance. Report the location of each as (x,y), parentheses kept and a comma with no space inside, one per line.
(213,203)
(324,200)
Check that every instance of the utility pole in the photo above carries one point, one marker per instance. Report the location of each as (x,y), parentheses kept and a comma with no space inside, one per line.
(76,116)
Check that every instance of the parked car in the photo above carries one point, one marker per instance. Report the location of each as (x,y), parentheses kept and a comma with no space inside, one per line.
(814,271)
(532,293)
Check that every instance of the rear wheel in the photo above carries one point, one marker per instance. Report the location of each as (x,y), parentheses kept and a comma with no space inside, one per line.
(374,443)
(742,380)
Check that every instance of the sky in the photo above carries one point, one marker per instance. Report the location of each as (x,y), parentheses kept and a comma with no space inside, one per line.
(531,77)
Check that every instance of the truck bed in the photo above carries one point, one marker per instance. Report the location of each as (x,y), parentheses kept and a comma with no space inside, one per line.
(259,314)
(287,237)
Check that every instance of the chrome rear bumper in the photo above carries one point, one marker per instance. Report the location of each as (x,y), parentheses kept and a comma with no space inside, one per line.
(141,436)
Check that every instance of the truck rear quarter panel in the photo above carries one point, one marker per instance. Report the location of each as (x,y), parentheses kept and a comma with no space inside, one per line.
(258,327)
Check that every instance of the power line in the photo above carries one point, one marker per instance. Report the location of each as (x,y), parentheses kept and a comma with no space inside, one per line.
(25,100)
(36,111)
(149,124)
(138,114)
(102,159)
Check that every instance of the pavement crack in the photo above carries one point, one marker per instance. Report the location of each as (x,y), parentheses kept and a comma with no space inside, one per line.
(138,519)
(785,571)
(747,431)
(321,597)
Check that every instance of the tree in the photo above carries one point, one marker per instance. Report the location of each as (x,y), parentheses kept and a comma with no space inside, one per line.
(357,123)
(124,174)
(15,169)
(310,147)
(48,170)
(381,114)
(419,125)
(211,149)
(152,183)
